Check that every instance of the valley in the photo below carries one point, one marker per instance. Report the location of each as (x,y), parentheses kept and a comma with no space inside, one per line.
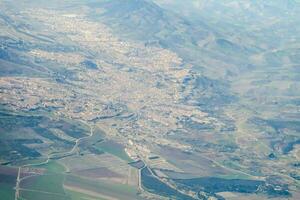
(131,100)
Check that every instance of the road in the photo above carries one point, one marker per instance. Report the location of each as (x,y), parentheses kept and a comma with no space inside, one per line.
(77,141)
(17,194)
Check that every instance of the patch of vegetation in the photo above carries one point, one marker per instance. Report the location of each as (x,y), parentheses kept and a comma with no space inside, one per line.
(77,130)
(154,185)
(20,129)
(52,183)
(114,149)
(42,196)
(119,191)
(53,167)
(6,191)
(137,164)
(15,149)
(213,185)
(79,196)
(8,177)
(89,64)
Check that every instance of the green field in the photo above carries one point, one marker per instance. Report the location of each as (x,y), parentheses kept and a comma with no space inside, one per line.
(119,191)
(50,186)
(6,191)
(7,182)
(80,196)
(29,195)
(53,167)
(113,149)
(48,183)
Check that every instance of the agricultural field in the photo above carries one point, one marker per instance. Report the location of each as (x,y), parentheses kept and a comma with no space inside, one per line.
(7,182)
